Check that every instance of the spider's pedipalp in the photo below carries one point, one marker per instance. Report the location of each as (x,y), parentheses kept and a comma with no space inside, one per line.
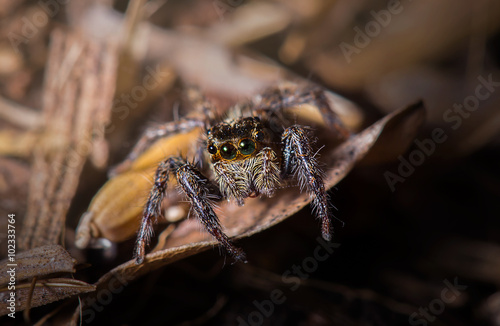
(266,172)
(233,180)
(298,158)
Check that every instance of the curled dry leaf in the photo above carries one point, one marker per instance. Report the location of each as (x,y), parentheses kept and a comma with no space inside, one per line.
(260,214)
(38,263)
(114,212)
(45,292)
(398,133)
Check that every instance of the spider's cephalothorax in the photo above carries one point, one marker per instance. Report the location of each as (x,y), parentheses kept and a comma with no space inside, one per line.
(250,155)
(243,161)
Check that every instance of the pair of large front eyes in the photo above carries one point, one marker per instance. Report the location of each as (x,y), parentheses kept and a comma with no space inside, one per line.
(228,151)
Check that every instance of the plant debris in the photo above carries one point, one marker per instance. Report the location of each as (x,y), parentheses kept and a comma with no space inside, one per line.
(416,228)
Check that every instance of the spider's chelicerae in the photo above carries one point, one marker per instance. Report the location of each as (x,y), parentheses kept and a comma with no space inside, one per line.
(251,152)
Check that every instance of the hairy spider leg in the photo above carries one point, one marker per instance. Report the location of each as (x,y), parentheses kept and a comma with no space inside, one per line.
(152,134)
(197,188)
(277,99)
(201,105)
(298,159)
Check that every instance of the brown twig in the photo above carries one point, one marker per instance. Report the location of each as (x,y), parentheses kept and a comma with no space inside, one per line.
(78,92)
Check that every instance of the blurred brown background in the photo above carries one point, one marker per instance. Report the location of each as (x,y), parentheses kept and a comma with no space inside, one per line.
(413,226)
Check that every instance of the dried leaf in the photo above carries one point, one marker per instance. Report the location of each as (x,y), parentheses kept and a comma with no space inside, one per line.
(442,92)
(115,210)
(258,214)
(398,133)
(45,292)
(38,262)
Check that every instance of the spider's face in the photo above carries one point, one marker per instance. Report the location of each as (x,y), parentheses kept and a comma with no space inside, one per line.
(235,141)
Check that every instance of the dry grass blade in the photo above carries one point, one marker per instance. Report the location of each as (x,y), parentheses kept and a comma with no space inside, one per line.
(18,114)
(79,87)
(38,262)
(260,214)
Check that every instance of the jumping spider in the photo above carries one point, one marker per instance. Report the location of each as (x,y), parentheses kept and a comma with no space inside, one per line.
(249,153)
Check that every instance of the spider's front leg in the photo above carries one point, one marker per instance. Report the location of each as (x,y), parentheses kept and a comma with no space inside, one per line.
(197,188)
(298,159)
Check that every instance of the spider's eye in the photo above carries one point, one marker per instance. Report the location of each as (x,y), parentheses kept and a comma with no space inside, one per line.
(259,136)
(247,146)
(212,149)
(228,151)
